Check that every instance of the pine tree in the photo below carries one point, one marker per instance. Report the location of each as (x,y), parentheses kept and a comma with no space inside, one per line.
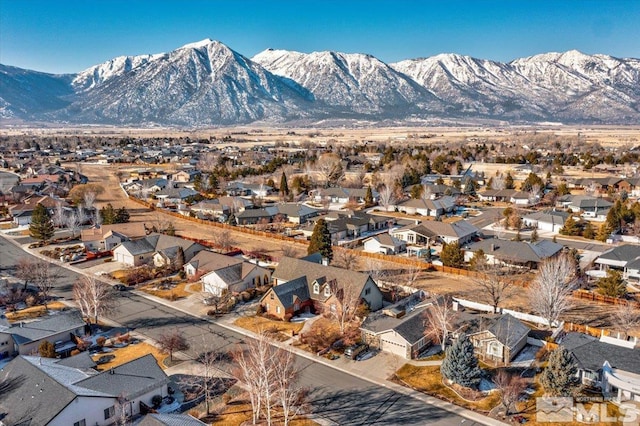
(460,364)
(612,285)
(108,215)
(197,182)
(321,240)
(508,181)
(559,378)
(452,255)
(122,215)
(41,227)
(571,227)
(212,184)
(603,232)
(368,198)
(534,235)
(588,231)
(284,186)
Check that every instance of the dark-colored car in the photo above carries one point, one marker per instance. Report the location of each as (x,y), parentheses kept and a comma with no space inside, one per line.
(120,287)
(352,351)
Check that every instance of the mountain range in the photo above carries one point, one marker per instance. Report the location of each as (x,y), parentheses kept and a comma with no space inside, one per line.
(207,84)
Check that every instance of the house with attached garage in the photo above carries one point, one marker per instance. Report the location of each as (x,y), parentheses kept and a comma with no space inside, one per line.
(142,251)
(106,237)
(23,338)
(429,232)
(587,206)
(518,254)
(311,286)
(62,392)
(607,364)
(384,243)
(220,273)
(547,221)
(624,258)
(428,207)
(397,331)
(500,339)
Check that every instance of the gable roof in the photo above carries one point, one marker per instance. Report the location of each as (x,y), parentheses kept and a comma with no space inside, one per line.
(288,291)
(386,240)
(411,327)
(460,228)
(624,253)
(160,242)
(158,419)
(208,261)
(549,216)
(590,353)
(517,251)
(508,330)
(25,332)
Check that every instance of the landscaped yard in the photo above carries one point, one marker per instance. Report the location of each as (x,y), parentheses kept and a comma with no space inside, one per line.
(178,291)
(129,353)
(236,414)
(34,312)
(283,330)
(429,380)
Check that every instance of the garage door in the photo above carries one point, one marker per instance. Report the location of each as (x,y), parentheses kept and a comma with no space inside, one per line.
(124,258)
(393,347)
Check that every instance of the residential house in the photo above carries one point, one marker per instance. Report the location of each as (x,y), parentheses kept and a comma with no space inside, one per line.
(501,339)
(499,195)
(385,244)
(428,232)
(588,207)
(348,225)
(211,209)
(23,338)
(141,251)
(514,253)
(106,237)
(344,195)
(428,207)
(624,258)
(185,176)
(325,285)
(297,212)
(21,213)
(175,195)
(397,331)
(56,392)
(254,216)
(611,365)
(220,273)
(162,419)
(248,189)
(548,221)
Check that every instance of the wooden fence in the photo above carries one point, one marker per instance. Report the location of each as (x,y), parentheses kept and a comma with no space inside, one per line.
(583,294)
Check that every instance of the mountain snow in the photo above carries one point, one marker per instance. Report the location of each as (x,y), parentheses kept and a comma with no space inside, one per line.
(207,83)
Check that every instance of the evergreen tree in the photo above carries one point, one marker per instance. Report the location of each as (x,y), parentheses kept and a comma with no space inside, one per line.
(47,349)
(197,182)
(571,227)
(416,192)
(612,285)
(534,235)
(171,230)
(108,215)
(478,260)
(321,240)
(532,180)
(452,255)
(559,378)
(469,187)
(489,184)
(603,232)
(460,364)
(41,227)
(212,183)
(508,181)
(518,237)
(122,215)
(588,231)
(284,186)
(368,198)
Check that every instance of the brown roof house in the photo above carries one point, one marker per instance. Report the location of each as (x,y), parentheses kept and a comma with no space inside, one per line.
(220,273)
(500,339)
(106,237)
(302,285)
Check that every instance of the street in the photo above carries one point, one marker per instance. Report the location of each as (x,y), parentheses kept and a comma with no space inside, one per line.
(335,396)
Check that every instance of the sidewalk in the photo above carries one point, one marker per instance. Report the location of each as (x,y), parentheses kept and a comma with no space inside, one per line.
(376,370)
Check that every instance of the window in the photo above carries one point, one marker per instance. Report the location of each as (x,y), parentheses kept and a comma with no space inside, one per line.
(82,422)
(327,291)
(367,291)
(277,309)
(266,307)
(316,288)
(494,349)
(109,412)
(272,296)
(141,257)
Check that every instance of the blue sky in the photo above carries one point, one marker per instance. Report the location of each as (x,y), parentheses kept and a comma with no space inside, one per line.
(69,36)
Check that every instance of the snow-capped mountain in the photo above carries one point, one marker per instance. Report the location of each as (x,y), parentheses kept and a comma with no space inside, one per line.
(357,82)
(207,83)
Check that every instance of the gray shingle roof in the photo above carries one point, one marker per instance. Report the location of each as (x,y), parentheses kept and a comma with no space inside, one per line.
(411,327)
(590,353)
(623,253)
(35,330)
(508,330)
(169,420)
(286,292)
(517,251)
(210,261)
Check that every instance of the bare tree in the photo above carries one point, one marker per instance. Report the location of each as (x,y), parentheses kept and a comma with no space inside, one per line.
(94,298)
(412,274)
(25,271)
(498,183)
(346,259)
(171,342)
(223,239)
(289,394)
(550,293)
(72,221)
(329,167)
(534,194)
(348,299)
(510,386)
(626,318)
(387,197)
(122,409)
(289,250)
(44,277)
(497,284)
(58,217)
(439,318)
(89,199)
(252,363)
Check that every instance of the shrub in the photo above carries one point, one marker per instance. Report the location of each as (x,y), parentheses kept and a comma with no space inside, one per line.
(100,341)
(212,312)
(31,300)
(156,400)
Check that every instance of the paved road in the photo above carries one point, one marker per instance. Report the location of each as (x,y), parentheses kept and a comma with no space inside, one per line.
(336,396)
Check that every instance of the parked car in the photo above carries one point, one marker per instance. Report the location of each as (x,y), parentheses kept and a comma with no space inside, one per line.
(352,351)
(120,287)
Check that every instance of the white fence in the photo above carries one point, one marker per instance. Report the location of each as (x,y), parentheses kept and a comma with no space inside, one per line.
(488,308)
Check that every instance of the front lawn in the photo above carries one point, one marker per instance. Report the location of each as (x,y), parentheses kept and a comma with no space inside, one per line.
(281,330)
(34,312)
(129,353)
(429,380)
(169,291)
